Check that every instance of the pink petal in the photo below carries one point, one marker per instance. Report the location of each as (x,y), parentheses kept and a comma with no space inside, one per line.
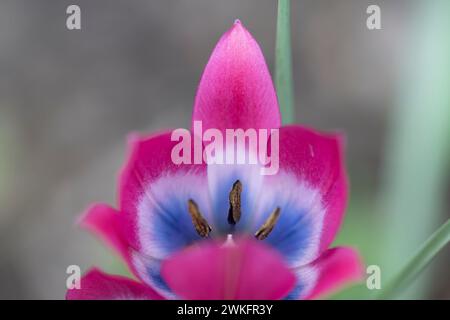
(97,285)
(149,159)
(106,222)
(236,90)
(244,270)
(317,159)
(337,267)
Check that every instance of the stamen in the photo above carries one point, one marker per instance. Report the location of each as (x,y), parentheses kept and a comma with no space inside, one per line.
(234,212)
(201,225)
(268,226)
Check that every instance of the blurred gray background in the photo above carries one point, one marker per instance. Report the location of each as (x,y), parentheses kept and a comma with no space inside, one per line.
(69,98)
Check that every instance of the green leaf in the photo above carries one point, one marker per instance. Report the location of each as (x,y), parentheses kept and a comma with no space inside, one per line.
(418,263)
(283,62)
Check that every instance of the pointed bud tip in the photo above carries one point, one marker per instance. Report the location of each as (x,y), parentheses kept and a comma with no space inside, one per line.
(238,27)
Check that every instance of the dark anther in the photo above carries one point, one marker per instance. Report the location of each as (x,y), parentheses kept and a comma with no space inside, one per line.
(201,225)
(268,226)
(234,212)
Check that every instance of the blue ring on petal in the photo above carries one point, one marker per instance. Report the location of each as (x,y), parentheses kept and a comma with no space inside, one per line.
(165,225)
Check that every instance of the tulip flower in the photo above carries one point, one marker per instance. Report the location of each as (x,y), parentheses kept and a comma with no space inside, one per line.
(224,231)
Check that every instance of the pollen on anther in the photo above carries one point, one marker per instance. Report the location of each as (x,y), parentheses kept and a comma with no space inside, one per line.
(268,225)
(234,211)
(200,224)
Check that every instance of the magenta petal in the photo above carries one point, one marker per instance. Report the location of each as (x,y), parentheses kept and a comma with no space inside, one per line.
(97,285)
(149,159)
(336,268)
(236,90)
(246,270)
(106,222)
(317,159)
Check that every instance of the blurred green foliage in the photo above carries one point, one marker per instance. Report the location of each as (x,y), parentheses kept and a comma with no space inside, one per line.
(416,155)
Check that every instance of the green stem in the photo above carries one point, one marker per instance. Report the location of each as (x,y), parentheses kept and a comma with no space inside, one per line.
(283,62)
(428,251)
